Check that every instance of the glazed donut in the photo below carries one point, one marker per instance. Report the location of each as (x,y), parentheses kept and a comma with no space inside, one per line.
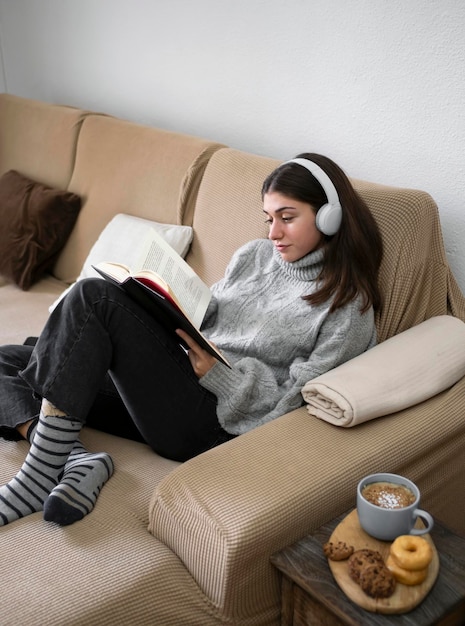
(411,552)
(405,576)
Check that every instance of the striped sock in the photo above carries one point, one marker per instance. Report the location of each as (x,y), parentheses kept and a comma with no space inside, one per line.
(76,494)
(84,475)
(42,469)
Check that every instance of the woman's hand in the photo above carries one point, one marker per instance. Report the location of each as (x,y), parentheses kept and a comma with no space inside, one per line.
(201,360)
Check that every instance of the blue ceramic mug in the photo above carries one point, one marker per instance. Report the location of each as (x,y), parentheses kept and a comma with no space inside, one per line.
(391,508)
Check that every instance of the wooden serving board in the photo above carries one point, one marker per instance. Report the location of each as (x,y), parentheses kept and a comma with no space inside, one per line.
(404,598)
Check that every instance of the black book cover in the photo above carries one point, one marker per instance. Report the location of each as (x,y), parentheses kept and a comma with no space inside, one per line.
(163,310)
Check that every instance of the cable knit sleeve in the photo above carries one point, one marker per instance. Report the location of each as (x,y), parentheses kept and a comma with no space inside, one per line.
(251,392)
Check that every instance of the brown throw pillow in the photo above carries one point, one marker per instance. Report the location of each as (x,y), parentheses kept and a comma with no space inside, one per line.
(35,222)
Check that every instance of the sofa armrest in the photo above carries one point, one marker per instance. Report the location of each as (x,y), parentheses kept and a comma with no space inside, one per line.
(226,511)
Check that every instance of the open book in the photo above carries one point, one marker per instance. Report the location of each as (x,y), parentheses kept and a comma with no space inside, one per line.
(167,287)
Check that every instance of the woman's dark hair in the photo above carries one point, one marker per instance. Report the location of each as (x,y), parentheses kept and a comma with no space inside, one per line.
(353,255)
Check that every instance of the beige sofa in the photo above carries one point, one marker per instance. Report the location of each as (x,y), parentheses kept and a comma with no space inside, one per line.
(189,544)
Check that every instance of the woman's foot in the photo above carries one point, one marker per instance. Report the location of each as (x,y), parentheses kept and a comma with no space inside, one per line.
(76,494)
(53,440)
(84,475)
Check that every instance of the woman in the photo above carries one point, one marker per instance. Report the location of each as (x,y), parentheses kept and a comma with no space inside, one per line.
(288,309)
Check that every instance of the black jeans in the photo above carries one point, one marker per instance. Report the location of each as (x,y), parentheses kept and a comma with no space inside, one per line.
(106,362)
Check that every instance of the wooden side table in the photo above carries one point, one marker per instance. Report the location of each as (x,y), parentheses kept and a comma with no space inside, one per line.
(311,597)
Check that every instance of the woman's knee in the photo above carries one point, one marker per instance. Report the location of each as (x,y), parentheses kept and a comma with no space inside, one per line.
(91,287)
(89,292)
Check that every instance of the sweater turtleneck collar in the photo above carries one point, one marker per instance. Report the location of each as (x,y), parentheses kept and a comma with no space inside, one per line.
(306,269)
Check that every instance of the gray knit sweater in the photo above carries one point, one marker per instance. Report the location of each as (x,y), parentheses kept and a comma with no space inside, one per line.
(275,341)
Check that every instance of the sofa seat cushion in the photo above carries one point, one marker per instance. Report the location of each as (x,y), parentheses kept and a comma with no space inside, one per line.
(36,222)
(24,313)
(105,569)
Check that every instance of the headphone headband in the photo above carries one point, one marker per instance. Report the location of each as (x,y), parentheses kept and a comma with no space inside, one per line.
(329,216)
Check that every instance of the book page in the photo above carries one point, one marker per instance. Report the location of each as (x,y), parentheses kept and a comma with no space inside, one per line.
(193,294)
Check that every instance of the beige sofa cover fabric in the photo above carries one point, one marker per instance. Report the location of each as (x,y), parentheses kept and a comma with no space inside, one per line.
(123,167)
(106,570)
(18,319)
(415,277)
(229,210)
(39,139)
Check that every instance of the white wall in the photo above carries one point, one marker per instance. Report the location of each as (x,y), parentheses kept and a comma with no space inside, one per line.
(378,85)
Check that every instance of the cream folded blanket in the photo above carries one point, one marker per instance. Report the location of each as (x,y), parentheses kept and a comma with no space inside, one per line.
(400,372)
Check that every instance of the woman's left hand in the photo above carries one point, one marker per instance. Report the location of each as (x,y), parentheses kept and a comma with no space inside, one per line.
(201,360)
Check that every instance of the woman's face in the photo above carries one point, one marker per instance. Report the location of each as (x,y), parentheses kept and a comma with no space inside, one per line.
(292,226)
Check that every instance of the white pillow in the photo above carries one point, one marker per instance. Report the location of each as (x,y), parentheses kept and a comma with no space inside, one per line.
(120,242)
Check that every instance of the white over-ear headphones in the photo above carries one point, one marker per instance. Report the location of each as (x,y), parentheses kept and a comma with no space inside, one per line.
(329,216)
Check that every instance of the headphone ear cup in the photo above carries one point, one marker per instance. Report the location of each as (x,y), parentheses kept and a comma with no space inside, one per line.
(328,219)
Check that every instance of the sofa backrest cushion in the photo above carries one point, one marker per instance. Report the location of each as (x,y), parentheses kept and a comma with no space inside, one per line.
(415,278)
(229,211)
(38,139)
(122,167)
